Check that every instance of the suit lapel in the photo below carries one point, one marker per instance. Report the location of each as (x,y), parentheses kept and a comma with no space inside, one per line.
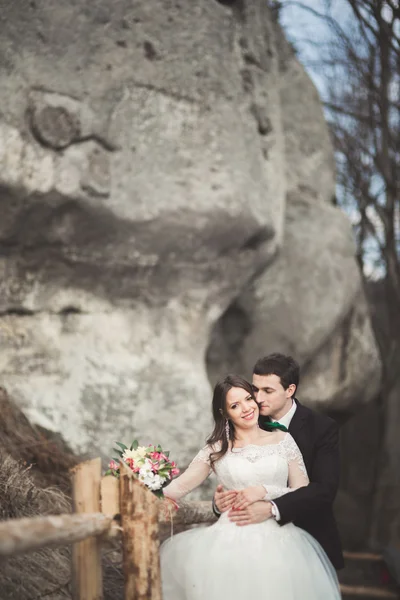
(298,429)
(298,421)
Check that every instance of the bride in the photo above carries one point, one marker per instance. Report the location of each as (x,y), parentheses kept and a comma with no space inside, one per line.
(264,560)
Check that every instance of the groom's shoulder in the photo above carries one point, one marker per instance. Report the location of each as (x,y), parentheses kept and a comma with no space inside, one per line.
(319,420)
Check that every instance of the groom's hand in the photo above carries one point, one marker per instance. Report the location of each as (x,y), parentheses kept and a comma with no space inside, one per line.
(248,496)
(224,500)
(255,513)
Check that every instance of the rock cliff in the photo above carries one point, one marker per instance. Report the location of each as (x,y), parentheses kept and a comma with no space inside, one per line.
(165,196)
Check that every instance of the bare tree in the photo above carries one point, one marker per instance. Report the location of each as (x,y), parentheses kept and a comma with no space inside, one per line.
(360,67)
(361,64)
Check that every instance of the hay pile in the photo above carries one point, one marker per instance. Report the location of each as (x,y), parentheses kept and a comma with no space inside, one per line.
(34,481)
(45,573)
(47,455)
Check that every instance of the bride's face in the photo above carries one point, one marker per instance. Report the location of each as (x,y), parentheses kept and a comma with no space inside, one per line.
(241,408)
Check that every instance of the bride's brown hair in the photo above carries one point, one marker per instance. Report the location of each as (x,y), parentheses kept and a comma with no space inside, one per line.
(221,416)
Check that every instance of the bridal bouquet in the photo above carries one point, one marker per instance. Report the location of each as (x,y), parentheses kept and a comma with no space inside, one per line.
(150,464)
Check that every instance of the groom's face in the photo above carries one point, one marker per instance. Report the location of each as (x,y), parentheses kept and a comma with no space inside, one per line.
(273,399)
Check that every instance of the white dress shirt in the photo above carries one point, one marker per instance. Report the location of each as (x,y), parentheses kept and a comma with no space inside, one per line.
(285,420)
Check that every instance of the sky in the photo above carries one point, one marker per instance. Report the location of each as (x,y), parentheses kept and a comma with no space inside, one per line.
(308,33)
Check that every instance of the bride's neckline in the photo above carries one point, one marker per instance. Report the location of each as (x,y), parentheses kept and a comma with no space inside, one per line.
(236,448)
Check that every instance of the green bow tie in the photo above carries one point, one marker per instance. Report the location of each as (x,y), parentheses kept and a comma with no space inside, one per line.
(275,425)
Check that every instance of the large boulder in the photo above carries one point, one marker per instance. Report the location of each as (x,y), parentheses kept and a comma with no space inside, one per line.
(142,187)
(161,170)
(309,156)
(308,303)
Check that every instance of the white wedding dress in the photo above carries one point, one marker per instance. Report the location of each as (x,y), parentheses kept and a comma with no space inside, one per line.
(264,561)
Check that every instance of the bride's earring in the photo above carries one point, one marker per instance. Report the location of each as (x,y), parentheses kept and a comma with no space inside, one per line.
(227,431)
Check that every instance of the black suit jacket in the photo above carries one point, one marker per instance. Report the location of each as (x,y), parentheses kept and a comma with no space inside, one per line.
(311,507)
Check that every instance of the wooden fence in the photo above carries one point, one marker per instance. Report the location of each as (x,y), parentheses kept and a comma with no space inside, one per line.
(104,507)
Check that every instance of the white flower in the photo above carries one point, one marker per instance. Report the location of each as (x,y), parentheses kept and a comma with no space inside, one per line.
(155,484)
(141,451)
(145,469)
(137,455)
(151,480)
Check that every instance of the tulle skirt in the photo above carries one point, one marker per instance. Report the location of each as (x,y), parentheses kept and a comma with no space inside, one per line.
(265,561)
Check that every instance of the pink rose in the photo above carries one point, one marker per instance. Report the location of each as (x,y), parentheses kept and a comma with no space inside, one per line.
(113,465)
(174,471)
(131,464)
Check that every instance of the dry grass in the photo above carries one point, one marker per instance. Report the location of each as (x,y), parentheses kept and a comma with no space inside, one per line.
(49,457)
(34,481)
(42,574)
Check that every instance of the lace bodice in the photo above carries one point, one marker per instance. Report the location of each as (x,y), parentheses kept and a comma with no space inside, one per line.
(278,467)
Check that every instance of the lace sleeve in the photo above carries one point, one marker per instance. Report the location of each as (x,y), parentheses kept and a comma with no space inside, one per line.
(198,470)
(297,473)
(297,470)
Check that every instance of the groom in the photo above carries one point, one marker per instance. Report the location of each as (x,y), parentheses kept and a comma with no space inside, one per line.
(275,380)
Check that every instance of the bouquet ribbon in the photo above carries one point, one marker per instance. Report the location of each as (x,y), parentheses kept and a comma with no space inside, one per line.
(169,511)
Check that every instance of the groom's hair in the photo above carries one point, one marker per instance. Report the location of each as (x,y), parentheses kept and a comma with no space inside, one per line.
(285,367)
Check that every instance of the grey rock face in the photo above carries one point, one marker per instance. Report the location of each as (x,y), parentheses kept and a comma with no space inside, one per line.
(310,162)
(133,207)
(144,175)
(308,303)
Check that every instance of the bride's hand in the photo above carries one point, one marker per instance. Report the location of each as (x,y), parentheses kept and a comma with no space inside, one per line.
(224,500)
(248,496)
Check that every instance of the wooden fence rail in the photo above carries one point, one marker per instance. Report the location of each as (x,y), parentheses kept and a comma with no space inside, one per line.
(104,507)
(19,536)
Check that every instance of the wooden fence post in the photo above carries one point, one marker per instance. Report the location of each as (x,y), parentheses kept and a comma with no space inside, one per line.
(140,539)
(109,494)
(87,580)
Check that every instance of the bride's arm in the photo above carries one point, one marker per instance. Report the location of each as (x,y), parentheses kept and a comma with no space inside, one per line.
(297,473)
(324,476)
(198,470)
(297,477)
